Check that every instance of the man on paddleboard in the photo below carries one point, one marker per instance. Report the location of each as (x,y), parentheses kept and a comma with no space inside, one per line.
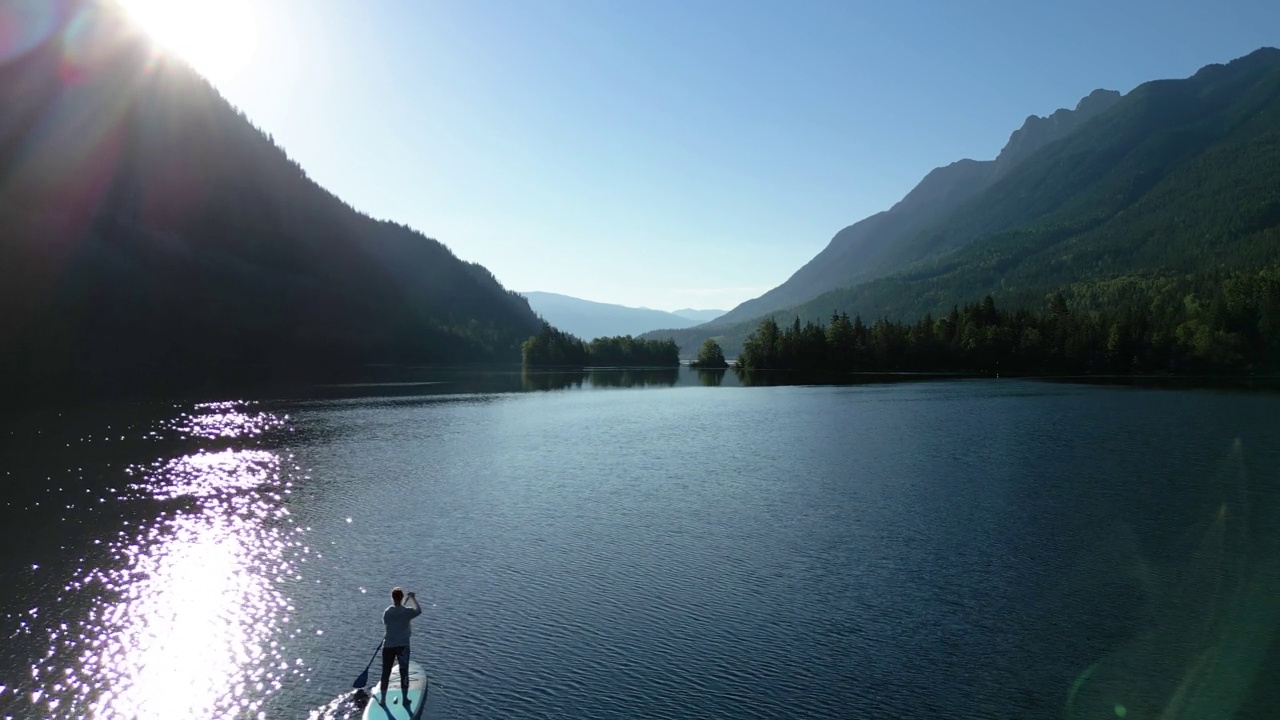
(395,644)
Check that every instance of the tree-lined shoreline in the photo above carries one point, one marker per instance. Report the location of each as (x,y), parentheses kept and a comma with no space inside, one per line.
(552,348)
(1217,323)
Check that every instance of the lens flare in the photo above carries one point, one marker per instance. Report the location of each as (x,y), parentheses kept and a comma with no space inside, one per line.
(24,24)
(1210,632)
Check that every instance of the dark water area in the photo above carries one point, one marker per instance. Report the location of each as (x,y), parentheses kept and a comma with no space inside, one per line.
(638,543)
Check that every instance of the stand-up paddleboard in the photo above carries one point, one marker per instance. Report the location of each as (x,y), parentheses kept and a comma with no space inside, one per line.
(394,707)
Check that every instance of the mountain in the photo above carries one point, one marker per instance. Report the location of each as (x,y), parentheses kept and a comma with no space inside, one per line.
(1180,177)
(871,247)
(589,320)
(698,316)
(154,238)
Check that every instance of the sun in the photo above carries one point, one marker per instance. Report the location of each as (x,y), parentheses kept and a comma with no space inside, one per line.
(217,37)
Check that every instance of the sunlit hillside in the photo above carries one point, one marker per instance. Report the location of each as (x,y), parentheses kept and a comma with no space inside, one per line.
(1165,193)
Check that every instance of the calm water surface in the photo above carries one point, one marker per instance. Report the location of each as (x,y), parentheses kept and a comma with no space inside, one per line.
(621,548)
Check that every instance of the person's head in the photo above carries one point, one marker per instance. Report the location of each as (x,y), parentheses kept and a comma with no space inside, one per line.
(397,596)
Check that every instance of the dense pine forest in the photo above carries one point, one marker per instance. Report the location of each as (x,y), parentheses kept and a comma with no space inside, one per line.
(552,348)
(1201,323)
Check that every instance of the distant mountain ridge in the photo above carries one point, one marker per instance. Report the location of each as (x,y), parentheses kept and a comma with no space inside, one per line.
(698,315)
(1178,178)
(589,320)
(154,238)
(869,248)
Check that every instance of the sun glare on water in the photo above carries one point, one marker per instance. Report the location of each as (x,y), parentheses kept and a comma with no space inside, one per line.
(217,37)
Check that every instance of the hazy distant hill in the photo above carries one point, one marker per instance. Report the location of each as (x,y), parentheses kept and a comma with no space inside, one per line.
(153,238)
(1179,176)
(589,320)
(700,316)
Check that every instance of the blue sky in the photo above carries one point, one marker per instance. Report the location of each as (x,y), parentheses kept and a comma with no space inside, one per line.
(679,153)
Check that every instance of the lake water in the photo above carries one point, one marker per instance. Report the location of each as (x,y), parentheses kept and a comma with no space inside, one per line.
(670,546)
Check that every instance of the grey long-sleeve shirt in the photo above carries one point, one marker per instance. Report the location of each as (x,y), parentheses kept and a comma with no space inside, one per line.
(397,621)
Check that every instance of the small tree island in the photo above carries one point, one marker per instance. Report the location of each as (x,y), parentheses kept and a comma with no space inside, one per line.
(710,357)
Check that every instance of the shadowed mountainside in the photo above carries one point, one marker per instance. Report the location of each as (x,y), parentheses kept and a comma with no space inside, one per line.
(155,239)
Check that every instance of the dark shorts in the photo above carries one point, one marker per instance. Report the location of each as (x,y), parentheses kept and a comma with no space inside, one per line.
(400,656)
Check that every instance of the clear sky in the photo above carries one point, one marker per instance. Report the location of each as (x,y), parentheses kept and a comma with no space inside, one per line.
(668,153)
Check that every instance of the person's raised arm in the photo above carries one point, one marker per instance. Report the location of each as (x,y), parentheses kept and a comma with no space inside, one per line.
(417,609)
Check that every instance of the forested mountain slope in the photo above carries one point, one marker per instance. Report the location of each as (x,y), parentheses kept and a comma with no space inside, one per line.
(153,237)
(1181,176)
(871,247)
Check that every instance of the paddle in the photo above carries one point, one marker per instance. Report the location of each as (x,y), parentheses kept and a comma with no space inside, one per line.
(364,676)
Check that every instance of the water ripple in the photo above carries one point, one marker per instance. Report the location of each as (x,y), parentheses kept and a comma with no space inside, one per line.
(186,615)
(779,553)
